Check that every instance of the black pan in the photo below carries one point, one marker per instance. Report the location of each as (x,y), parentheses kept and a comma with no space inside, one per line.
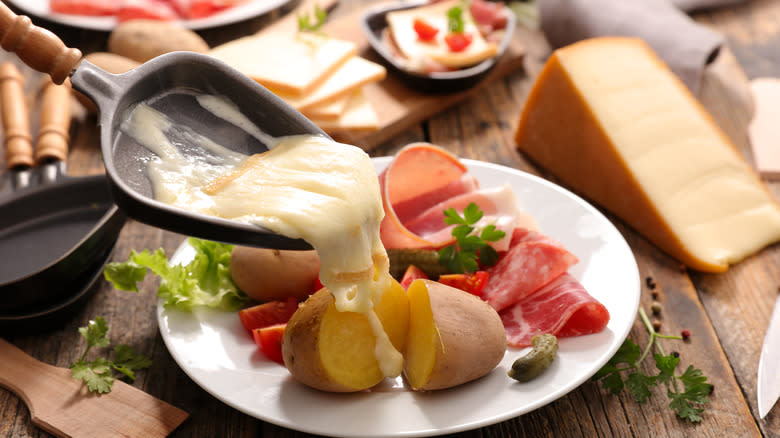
(55,231)
(169,83)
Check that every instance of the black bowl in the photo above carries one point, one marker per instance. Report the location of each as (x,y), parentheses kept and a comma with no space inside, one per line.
(374,23)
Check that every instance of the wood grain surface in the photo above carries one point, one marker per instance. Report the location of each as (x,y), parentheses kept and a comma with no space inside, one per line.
(726,314)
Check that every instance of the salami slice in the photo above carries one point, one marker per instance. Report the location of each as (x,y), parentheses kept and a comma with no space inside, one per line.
(562,308)
(533,260)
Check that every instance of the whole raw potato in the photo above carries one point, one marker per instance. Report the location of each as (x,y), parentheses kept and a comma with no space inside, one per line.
(335,351)
(272,274)
(142,40)
(454,337)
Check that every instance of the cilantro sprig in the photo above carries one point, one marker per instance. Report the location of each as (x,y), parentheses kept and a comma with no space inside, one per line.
(305,23)
(99,373)
(470,251)
(687,392)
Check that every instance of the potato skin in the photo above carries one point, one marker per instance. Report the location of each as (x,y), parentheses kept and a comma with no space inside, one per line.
(142,40)
(471,337)
(272,274)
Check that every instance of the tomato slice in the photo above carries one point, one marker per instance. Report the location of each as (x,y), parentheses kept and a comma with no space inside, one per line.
(458,41)
(268,314)
(425,31)
(269,339)
(473,283)
(412,273)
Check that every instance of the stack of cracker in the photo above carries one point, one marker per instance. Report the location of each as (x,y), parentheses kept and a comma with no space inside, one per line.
(320,76)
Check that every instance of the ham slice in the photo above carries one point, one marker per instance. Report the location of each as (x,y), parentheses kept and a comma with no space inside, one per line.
(533,260)
(499,207)
(563,308)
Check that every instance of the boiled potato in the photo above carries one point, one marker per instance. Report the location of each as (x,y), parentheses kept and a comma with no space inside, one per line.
(454,337)
(272,274)
(142,40)
(334,351)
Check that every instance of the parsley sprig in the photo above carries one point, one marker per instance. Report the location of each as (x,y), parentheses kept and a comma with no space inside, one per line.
(99,374)
(306,25)
(455,22)
(470,251)
(686,392)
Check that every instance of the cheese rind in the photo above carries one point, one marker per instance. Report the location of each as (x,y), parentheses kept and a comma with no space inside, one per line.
(611,121)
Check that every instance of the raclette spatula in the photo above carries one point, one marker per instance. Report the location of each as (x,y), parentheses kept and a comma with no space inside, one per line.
(168,83)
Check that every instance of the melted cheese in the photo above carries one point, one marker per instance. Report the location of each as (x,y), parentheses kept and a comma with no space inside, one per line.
(305,187)
(610,120)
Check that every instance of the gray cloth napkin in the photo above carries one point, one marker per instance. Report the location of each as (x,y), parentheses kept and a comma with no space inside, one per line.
(683,44)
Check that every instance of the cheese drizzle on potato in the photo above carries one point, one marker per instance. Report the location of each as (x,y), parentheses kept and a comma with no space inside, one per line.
(307,187)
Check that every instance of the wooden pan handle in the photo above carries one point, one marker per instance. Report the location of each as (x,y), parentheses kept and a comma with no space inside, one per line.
(17,141)
(37,47)
(53,134)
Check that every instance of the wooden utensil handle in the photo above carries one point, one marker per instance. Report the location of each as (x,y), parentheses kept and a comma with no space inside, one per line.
(37,47)
(53,134)
(17,141)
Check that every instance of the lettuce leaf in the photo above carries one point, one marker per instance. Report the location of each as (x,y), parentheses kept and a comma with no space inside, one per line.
(205,281)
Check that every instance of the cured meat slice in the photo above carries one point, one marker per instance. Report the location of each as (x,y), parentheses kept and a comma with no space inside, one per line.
(145,10)
(409,209)
(499,207)
(417,169)
(532,261)
(562,308)
(85,7)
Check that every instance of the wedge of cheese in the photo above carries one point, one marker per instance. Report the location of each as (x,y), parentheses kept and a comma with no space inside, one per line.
(401,25)
(611,121)
(291,63)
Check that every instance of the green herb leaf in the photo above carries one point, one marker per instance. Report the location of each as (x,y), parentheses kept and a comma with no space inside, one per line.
(686,402)
(306,25)
(455,22)
(205,281)
(98,374)
(470,251)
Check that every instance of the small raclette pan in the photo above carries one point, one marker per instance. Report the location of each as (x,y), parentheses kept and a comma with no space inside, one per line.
(169,83)
(55,231)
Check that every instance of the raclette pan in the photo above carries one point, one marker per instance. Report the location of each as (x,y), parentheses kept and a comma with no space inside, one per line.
(55,231)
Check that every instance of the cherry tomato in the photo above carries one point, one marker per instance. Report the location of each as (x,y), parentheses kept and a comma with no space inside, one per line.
(412,273)
(425,31)
(269,339)
(473,283)
(457,42)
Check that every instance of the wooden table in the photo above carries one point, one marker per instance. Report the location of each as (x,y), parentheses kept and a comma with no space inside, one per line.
(726,314)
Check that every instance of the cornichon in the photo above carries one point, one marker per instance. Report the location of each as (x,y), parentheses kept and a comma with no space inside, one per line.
(425,259)
(526,368)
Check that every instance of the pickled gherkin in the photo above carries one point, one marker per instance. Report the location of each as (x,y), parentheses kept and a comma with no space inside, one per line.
(425,259)
(528,367)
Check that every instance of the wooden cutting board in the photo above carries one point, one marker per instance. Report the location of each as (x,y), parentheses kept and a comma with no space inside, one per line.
(398,106)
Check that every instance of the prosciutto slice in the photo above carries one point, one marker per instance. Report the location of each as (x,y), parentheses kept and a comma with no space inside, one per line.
(563,308)
(533,260)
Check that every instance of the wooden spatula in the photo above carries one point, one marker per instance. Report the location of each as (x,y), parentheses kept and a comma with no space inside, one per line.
(61,405)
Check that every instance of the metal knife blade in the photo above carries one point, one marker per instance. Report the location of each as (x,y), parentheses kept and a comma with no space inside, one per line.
(769,365)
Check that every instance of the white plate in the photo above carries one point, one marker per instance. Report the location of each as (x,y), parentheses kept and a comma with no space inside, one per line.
(215,350)
(250,9)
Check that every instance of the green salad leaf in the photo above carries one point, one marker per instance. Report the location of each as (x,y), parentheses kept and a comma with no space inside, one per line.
(205,281)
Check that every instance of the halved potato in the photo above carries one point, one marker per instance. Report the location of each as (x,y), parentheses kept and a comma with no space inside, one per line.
(454,337)
(335,351)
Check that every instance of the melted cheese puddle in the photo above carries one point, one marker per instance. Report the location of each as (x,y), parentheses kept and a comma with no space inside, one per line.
(306,187)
